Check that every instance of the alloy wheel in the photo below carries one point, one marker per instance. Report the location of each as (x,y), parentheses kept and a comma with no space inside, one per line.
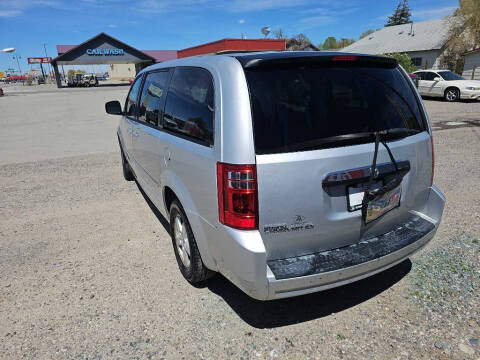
(181,240)
(451,95)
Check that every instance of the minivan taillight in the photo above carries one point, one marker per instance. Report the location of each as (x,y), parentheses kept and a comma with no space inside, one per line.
(433,160)
(237,196)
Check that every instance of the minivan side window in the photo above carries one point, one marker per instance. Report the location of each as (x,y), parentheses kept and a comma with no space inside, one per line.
(189,109)
(131,103)
(153,97)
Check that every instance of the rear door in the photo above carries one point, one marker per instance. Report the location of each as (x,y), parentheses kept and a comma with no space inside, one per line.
(305,177)
(148,146)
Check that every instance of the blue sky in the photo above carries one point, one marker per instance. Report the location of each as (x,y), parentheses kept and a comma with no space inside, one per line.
(177,24)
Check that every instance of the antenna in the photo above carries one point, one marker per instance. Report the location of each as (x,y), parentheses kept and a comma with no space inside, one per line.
(266,30)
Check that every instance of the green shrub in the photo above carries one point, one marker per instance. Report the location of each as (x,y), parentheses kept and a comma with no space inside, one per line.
(404,60)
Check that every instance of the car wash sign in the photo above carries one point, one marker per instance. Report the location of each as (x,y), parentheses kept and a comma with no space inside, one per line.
(105,52)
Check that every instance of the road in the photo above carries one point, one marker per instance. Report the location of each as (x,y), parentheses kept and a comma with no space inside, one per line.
(88,270)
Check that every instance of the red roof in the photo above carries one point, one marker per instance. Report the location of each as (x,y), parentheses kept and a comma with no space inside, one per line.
(234,45)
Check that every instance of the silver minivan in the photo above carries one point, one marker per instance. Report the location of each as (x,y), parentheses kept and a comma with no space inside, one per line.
(287,172)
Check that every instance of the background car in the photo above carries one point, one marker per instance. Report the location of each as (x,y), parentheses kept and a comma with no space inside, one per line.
(447,84)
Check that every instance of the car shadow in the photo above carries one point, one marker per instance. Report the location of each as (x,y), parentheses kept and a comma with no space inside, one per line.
(441,99)
(113,85)
(283,312)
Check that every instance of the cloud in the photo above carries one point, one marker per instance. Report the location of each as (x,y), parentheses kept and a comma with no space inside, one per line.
(433,13)
(9,13)
(319,20)
(323,16)
(112,26)
(164,6)
(258,5)
(10,8)
(241,21)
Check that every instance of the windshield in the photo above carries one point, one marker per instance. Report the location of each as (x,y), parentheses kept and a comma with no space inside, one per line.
(296,106)
(450,76)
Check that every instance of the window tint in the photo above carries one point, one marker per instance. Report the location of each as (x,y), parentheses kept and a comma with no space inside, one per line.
(153,97)
(189,107)
(131,103)
(294,107)
(449,76)
(429,76)
(421,75)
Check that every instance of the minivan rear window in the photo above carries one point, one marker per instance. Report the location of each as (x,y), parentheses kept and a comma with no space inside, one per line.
(293,106)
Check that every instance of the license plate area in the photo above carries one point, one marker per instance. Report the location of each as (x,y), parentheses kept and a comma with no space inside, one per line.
(382,204)
(356,193)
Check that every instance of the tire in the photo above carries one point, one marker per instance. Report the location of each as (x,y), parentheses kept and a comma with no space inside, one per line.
(127,170)
(452,94)
(185,247)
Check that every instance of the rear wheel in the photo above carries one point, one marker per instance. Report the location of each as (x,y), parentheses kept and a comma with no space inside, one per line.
(185,247)
(452,94)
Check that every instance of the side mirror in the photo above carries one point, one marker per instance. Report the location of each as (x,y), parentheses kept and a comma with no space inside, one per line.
(113,108)
(438,78)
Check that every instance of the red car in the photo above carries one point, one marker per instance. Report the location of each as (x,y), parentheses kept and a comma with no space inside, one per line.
(414,78)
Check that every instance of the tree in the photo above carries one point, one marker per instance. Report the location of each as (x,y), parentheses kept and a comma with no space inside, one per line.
(404,60)
(463,34)
(330,43)
(401,15)
(345,42)
(299,42)
(366,33)
(279,34)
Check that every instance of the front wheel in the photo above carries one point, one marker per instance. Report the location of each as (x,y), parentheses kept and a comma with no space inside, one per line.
(185,247)
(452,94)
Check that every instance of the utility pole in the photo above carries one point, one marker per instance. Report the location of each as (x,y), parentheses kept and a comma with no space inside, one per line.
(46,55)
(18,63)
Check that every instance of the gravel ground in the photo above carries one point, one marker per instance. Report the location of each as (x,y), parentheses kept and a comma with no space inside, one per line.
(440,110)
(88,272)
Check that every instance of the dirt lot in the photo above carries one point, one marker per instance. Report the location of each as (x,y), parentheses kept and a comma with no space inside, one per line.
(88,271)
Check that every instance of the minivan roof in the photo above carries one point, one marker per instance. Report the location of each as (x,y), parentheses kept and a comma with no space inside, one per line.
(255,58)
(252,59)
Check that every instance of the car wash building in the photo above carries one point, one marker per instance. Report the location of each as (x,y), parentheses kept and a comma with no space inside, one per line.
(126,61)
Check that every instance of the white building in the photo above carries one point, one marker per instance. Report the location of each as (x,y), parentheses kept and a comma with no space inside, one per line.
(471,65)
(424,42)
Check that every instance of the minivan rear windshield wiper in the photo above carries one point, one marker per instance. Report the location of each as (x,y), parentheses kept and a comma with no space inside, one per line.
(387,134)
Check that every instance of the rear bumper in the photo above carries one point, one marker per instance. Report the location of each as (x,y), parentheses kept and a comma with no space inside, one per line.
(306,274)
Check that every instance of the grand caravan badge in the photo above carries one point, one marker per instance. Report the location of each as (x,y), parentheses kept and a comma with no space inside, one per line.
(298,224)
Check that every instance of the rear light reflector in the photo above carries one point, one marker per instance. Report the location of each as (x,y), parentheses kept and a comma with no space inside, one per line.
(344,58)
(433,160)
(237,196)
